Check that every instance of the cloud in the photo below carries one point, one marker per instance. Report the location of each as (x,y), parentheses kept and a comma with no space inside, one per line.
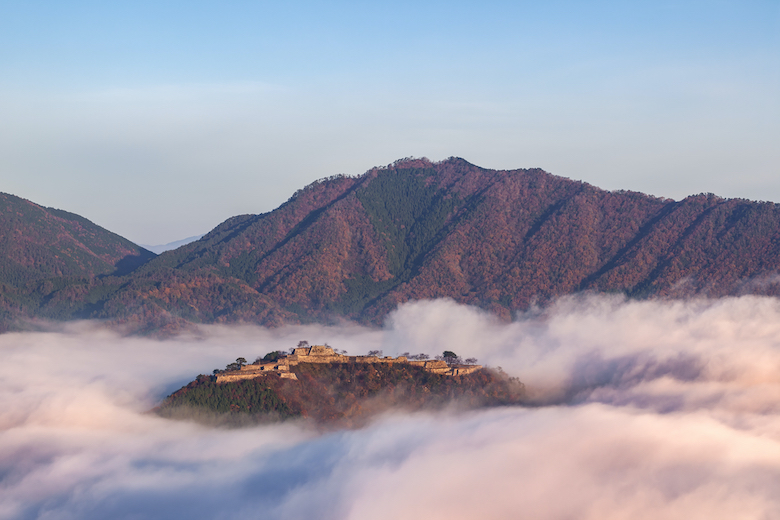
(642,410)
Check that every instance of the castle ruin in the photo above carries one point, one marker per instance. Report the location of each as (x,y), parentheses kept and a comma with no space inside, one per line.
(325,354)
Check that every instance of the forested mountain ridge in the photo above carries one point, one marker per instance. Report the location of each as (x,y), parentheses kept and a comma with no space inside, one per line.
(359,246)
(356,247)
(45,251)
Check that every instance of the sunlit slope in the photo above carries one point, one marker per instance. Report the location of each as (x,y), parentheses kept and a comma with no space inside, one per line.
(358,246)
(341,394)
(45,252)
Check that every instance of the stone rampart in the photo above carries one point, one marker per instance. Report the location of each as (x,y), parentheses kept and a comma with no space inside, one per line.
(325,354)
(462,370)
(438,366)
(252,371)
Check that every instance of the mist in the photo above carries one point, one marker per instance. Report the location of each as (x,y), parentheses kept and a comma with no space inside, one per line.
(636,410)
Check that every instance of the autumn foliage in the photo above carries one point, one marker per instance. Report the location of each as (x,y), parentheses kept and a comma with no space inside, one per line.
(341,394)
(356,247)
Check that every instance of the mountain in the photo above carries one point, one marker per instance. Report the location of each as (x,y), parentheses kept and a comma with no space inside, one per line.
(356,247)
(171,245)
(46,252)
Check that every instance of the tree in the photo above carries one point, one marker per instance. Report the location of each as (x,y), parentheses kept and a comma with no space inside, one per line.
(450,357)
(240,362)
(273,356)
(377,353)
(471,361)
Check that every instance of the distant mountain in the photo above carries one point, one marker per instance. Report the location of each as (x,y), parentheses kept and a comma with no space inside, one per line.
(171,245)
(356,247)
(46,252)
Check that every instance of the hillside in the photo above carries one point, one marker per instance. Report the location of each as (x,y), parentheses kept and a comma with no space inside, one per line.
(337,394)
(45,252)
(357,247)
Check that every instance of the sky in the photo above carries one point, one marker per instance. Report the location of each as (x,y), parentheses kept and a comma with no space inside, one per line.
(643,409)
(160,119)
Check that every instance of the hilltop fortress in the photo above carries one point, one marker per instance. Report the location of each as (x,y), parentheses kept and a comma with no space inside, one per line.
(325,354)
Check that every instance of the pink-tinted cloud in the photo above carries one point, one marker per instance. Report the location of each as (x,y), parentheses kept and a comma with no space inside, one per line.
(649,410)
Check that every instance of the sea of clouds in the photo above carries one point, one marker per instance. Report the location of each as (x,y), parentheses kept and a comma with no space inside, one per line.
(641,410)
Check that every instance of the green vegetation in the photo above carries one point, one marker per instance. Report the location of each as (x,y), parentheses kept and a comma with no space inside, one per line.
(257,398)
(409,213)
(270,357)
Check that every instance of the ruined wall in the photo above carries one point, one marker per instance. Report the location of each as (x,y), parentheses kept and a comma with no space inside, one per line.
(324,354)
(315,354)
(438,366)
(462,370)
(252,371)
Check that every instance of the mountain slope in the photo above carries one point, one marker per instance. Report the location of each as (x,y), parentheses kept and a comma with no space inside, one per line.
(359,246)
(356,247)
(43,251)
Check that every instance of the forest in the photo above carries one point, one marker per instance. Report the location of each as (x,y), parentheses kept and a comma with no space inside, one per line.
(357,247)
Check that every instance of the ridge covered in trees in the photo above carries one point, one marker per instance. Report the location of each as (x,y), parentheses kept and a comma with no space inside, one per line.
(50,258)
(357,247)
(336,394)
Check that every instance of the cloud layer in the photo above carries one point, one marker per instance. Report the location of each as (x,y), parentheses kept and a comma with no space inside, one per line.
(640,410)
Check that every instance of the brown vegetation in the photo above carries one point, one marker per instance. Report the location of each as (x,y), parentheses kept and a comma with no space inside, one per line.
(357,247)
(338,394)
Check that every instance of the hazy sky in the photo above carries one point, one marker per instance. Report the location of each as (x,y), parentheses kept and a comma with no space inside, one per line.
(160,119)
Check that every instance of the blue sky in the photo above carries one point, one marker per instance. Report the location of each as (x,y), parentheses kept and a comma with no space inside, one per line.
(160,119)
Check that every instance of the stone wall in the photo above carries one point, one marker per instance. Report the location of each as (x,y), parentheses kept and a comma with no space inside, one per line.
(315,354)
(325,354)
(462,370)
(438,366)
(252,371)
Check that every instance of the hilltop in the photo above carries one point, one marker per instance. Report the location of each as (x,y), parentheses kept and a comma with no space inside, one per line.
(356,247)
(335,389)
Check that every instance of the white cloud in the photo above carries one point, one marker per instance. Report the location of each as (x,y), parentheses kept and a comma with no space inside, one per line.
(661,410)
